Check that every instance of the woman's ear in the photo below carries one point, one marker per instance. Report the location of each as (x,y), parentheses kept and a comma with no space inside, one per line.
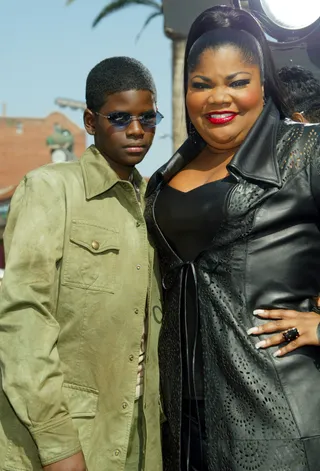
(299,118)
(89,120)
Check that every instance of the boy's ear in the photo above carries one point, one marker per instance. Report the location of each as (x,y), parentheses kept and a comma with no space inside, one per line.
(89,120)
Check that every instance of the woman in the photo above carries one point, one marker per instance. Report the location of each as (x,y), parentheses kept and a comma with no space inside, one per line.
(235,217)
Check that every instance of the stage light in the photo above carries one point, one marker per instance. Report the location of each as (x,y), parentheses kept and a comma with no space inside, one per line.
(292,15)
(287,20)
(293,31)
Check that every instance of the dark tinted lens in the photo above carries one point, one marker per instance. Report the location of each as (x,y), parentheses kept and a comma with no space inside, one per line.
(119,118)
(151,118)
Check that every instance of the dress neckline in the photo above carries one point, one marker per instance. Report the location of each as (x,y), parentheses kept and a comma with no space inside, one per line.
(227,178)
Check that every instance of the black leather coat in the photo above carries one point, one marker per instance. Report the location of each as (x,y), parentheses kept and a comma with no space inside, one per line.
(262,413)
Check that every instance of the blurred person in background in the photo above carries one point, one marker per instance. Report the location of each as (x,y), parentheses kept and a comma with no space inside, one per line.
(303,91)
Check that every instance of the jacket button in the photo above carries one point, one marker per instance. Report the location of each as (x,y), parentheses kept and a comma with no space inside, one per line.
(117,452)
(124,405)
(136,311)
(138,224)
(138,267)
(131,357)
(95,244)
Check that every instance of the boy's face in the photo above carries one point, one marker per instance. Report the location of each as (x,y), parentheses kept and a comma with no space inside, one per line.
(122,147)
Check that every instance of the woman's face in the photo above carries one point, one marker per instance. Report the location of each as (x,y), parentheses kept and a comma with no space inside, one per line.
(224,97)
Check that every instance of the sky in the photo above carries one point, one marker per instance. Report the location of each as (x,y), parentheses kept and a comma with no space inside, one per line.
(49,48)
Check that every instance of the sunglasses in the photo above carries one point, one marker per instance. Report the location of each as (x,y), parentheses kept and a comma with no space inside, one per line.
(122,119)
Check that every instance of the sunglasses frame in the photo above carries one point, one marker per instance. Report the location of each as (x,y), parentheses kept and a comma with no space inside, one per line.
(159,117)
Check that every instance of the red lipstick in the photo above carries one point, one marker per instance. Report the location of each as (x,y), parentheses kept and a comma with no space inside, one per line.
(221,117)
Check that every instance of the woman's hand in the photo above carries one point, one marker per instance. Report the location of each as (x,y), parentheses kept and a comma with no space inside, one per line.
(282,320)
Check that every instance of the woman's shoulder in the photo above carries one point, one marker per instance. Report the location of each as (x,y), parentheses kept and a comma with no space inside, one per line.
(294,131)
(293,138)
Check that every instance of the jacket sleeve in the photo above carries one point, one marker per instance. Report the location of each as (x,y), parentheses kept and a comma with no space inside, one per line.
(29,361)
(313,148)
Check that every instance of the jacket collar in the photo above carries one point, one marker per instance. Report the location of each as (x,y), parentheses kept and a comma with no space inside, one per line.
(255,160)
(98,176)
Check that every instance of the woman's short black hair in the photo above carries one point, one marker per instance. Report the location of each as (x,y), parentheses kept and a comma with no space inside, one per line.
(220,17)
(116,74)
(302,87)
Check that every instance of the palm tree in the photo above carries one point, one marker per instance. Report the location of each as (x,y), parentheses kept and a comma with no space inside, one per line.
(178,48)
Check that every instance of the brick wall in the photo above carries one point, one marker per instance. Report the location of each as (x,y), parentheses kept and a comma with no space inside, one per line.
(23,144)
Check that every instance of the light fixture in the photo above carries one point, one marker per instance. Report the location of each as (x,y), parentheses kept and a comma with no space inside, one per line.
(287,20)
(292,28)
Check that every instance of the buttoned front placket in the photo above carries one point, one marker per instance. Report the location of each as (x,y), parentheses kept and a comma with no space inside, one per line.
(139,266)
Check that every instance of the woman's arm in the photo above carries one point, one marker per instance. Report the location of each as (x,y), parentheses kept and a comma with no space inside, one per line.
(305,325)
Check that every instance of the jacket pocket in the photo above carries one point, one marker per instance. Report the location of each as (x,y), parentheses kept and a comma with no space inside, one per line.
(91,257)
(82,404)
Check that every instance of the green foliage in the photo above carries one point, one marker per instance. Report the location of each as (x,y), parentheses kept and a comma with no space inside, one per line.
(117,5)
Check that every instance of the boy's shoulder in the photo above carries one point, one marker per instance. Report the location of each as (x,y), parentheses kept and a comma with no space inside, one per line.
(55,170)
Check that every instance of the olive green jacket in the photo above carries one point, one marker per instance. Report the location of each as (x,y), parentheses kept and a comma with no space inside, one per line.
(79,277)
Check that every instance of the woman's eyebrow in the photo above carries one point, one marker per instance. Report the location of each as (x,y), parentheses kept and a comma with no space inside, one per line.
(202,77)
(232,76)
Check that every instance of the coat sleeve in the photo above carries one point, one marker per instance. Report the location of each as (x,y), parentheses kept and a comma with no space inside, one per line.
(29,361)
(312,147)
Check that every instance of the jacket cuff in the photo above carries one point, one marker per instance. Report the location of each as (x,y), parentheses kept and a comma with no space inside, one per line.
(56,441)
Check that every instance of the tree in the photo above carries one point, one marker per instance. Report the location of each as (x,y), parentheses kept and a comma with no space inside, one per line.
(178,48)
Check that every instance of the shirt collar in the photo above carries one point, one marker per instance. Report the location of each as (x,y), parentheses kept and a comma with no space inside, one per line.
(99,177)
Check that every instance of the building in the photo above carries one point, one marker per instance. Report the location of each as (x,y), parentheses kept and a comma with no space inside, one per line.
(28,143)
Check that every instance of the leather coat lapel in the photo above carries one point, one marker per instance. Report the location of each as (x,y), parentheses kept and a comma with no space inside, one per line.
(256,159)
(184,155)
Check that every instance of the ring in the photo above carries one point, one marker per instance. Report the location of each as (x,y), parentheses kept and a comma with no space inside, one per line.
(291,334)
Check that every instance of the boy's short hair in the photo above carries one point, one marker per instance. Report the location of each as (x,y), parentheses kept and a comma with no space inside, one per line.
(113,75)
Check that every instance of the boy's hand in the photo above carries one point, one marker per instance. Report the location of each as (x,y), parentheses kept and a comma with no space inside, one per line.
(73,463)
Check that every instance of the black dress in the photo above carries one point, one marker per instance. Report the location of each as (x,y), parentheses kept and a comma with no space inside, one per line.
(189,221)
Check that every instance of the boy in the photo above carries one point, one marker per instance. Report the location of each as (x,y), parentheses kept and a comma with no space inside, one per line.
(80,307)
